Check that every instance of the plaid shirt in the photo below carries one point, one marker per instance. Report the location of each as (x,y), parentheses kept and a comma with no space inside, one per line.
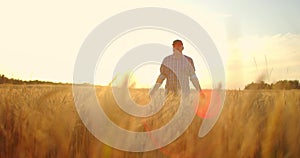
(177,69)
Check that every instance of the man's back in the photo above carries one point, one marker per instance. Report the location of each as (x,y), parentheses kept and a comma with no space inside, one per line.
(177,69)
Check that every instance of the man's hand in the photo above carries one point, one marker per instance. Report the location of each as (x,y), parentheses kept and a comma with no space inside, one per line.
(154,89)
(202,94)
(151,92)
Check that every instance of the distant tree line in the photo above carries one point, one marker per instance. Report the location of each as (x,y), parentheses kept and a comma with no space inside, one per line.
(285,84)
(5,80)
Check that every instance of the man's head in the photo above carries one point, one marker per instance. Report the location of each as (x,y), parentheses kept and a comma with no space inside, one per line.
(178,45)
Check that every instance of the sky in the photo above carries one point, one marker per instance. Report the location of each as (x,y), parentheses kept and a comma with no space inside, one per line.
(41,40)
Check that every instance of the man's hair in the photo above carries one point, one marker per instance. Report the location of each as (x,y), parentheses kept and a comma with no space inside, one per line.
(176,41)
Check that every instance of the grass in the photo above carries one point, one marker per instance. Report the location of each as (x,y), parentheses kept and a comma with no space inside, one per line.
(41,121)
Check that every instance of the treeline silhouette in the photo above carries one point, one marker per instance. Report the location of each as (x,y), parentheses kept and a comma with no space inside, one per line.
(279,85)
(5,80)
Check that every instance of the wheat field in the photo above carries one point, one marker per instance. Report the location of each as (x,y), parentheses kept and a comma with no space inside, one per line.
(42,121)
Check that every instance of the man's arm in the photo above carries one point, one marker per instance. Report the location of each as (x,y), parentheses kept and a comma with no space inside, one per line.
(159,81)
(164,71)
(195,82)
(194,78)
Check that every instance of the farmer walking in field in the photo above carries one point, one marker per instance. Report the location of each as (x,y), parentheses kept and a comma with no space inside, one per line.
(178,69)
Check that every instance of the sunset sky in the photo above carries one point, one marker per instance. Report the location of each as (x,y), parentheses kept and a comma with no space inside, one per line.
(41,40)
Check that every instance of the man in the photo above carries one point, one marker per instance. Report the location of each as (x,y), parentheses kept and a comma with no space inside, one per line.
(178,69)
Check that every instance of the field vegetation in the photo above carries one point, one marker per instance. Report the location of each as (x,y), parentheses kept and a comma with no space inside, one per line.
(41,121)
